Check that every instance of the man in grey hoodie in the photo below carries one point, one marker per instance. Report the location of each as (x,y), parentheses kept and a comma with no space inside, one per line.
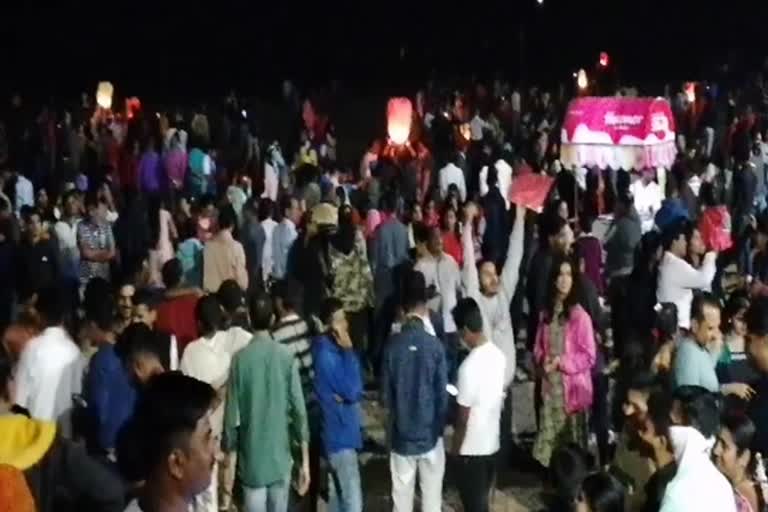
(620,244)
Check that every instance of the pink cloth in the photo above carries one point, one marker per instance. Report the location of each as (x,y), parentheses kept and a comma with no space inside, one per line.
(372,221)
(576,362)
(176,167)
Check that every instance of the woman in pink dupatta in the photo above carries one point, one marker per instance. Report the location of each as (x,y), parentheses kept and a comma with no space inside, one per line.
(565,354)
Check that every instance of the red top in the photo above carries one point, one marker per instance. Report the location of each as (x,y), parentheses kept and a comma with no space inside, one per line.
(176,316)
(452,246)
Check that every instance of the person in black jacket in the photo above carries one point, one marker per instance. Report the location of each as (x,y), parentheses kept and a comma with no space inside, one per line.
(38,258)
(497,226)
(757,328)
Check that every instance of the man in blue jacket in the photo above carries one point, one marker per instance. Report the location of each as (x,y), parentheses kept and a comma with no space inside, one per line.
(339,389)
(414,380)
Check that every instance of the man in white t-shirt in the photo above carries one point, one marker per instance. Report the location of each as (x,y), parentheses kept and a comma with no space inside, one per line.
(480,398)
(648,196)
(50,367)
(449,175)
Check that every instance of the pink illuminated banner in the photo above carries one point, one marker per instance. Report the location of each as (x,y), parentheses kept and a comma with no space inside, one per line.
(628,133)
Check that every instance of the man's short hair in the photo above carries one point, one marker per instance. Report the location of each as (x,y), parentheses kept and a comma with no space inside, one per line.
(329,308)
(266,208)
(6,372)
(147,297)
(135,341)
(421,233)
(51,305)
(231,296)
(227,217)
(701,409)
(700,302)
(467,315)
(414,289)
(26,212)
(93,199)
(286,203)
(166,415)
(209,314)
(567,469)
(290,292)
(645,382)
(172,273)
(673,233)
(261,311)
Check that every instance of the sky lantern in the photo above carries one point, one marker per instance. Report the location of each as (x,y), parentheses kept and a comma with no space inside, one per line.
(399,114)
(581,79)
(104,94)
(604,60)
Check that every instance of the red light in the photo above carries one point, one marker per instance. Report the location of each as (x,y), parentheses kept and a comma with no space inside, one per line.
(604,59)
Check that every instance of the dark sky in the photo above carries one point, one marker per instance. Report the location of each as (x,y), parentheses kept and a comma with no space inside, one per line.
(166,48)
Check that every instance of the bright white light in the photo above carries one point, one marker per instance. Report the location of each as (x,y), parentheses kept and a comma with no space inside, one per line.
(540,1)
(104,95)
(582,80)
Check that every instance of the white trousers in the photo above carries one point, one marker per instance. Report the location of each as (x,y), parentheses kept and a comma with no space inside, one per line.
(430,468)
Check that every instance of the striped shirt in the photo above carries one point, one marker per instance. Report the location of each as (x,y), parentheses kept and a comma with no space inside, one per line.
(293,333)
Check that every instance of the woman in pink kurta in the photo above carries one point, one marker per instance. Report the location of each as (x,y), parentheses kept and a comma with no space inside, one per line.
(565,354)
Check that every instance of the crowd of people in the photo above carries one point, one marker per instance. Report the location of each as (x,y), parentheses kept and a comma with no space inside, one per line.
(192,320)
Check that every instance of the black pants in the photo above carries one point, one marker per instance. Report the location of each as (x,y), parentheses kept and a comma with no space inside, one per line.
(621,319)
(359,322)
(475,478)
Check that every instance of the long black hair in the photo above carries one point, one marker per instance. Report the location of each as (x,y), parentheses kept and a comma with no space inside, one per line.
(574,296)
(742,431)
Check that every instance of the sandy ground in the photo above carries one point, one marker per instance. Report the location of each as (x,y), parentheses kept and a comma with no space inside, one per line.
(517,490)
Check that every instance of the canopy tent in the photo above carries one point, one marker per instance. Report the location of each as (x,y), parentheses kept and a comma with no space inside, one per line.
(618,133)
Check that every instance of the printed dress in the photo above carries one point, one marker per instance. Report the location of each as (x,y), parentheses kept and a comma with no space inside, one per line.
(556,427)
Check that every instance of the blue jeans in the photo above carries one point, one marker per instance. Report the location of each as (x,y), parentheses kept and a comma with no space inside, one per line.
(345,479)
(273,498)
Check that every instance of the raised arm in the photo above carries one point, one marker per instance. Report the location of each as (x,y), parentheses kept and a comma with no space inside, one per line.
(510,274)
(469,277)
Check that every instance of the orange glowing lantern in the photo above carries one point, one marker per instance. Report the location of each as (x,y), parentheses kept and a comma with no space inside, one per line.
(132,107)
(399,115)
(104,94)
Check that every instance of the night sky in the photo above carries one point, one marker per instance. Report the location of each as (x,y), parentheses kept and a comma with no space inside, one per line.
(183,49)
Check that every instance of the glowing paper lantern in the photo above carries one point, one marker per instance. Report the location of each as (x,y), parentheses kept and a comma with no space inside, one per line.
(104,95)
(399,114)
(581,79)
(132,107)
(604,59)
